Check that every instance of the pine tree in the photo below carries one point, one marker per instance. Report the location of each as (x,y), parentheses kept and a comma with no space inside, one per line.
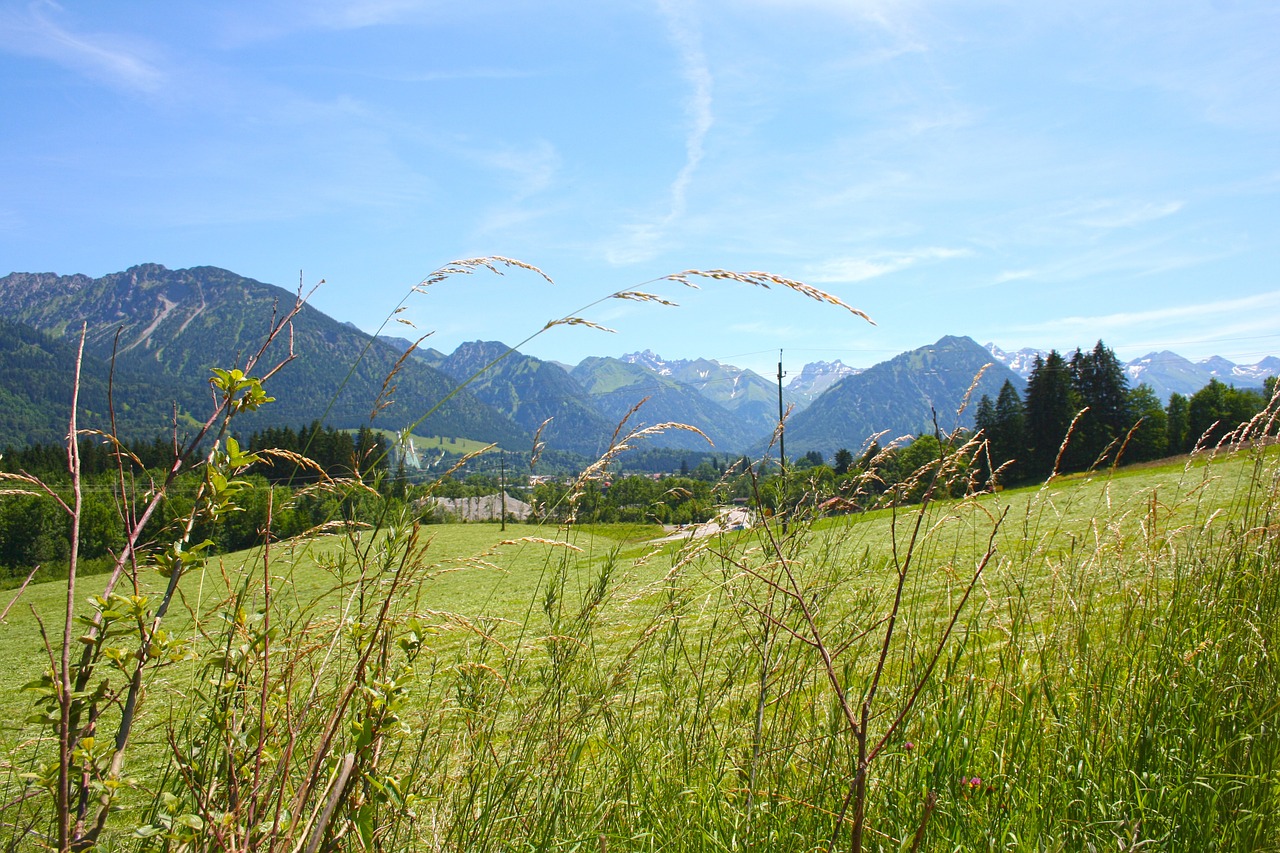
(1009,438)
(1050,406)
(984,421)
(1099,384)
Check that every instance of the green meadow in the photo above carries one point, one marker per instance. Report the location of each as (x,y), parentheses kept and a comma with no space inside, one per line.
(1108,679)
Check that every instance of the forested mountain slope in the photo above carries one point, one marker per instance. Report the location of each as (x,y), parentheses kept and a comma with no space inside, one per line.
(530,391)
(174,325)
(36,378)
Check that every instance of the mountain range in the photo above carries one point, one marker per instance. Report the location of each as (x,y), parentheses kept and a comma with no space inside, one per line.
(161,331)
(1165,372)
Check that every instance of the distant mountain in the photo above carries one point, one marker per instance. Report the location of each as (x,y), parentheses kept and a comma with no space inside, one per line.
(814,379)
(744,392)
(1169,373)
(651,360)
(529,391)
(174,325)
(899,396)
(428,355)
(1217,367)
(615,386)
(1243,375)
(1020,362)
(1269,366)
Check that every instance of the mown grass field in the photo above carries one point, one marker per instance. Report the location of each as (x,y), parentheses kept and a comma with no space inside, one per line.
(1111,680)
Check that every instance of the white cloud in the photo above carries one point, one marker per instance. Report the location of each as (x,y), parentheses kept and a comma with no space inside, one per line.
(532,167)
(878,264)
(244,24)
(108,58)
(479,73)
(1141,259)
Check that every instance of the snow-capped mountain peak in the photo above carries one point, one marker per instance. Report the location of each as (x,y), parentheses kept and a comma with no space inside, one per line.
(1020,362)
(816,377)
(650,360)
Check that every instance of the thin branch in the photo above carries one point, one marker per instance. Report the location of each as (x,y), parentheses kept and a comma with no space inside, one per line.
(64,674)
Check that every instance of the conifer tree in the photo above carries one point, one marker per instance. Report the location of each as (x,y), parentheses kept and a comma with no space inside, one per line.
(1099,384)
(984,421)
(1050,406)
(843,461)
(1009,437)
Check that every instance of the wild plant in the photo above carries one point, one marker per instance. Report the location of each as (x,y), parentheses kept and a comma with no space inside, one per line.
(88,701)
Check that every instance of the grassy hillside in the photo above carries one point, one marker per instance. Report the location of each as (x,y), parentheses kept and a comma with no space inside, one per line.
(1110,678)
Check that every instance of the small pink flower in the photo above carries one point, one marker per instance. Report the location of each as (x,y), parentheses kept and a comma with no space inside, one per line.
(908,746)
(975,782)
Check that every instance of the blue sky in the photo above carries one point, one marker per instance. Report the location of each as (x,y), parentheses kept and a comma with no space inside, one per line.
(1035,174)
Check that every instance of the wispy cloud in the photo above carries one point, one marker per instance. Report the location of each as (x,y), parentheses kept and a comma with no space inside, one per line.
(643,238)
(770,328)
(877,264)
(1119,214)
(1140,259)
(1261,305)
(242,24)
(346,15)
(530,170)
(895,16)
(480,73)
(112,59)
(685,34)
(531,167)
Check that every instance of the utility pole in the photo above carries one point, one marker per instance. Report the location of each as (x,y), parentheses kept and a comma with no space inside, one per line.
(502,482)
(782,447)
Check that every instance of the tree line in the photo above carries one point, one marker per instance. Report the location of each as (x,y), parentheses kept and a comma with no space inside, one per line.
(35,531)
